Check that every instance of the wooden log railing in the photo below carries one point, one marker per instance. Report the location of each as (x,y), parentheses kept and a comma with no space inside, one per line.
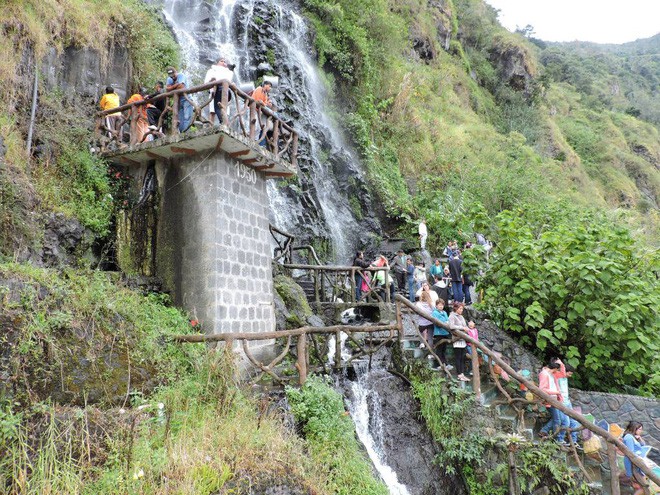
(240,112)
(302,335)
(613,442)
(338,282)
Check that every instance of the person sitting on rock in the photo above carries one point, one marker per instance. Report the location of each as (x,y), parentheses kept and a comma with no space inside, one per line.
(632,438)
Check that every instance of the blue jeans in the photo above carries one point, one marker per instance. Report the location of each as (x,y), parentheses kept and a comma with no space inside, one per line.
(185,115)
(358,287)
(411,289)
(558,420)
(458,291)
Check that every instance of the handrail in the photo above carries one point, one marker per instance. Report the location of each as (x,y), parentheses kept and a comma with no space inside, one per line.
(301,334)
(637,461)
(283,139)
(322,274)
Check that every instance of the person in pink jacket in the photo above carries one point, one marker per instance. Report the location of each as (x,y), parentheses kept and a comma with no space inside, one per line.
(548,382)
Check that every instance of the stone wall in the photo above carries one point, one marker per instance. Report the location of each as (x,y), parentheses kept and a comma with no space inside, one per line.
(620,409)
(213,243)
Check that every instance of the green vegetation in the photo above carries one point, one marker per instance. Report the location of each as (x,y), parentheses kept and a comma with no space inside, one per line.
(112,329)
(200,435)
(574,284)
(330,435)
(469,443)
(490,136)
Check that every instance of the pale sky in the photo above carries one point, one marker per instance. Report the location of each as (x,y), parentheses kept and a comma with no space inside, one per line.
(601,21)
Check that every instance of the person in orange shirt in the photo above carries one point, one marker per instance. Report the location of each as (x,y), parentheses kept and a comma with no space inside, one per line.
(142,127)
(261,94)
(109,101)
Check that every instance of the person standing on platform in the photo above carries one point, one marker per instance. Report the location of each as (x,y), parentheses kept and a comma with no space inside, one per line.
(423,233)
(178,80)
(221,71)
(456,271)
(109,101)
(400,269)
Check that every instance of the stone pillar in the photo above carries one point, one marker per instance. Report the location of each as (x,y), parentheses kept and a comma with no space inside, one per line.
(213,242)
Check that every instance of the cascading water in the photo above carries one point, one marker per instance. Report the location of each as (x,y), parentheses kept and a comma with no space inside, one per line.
(267,37)
(369,427)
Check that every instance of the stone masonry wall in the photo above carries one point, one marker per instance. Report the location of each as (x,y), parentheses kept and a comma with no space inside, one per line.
(620,409)
(213,244)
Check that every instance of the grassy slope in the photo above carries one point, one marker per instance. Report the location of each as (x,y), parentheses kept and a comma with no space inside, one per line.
(452,124)
(67,178)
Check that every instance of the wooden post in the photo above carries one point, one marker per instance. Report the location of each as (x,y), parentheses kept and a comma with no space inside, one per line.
(175,115)
(387,287)
(302,358)
(133,126)
(294,150)
(275,147)
(253,119)
(337,349)
(513,471)
(224,102)
(614,469)
(353,286)
(317,291)
(476,378)
(399,321)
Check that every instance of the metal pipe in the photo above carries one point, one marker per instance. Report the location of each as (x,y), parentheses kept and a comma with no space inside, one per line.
(33,112)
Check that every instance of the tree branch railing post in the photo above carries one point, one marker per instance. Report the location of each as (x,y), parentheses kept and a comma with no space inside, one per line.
(224,100)
(302,358)
(637,461)
(476,377)
(614,469)
(175,115)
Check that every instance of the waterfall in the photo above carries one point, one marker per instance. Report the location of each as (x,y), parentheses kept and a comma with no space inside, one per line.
(369,427)
(268,37)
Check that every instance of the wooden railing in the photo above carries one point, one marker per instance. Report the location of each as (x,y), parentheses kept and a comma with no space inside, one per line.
(304,336)
(332,283)
(240,113)
(613,443)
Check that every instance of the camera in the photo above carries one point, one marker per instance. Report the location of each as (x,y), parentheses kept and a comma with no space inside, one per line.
(231,67)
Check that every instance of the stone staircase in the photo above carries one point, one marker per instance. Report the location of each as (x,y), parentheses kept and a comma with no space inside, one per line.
(528,425)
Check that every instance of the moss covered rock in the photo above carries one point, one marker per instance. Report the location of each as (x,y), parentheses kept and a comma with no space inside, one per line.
(291,304)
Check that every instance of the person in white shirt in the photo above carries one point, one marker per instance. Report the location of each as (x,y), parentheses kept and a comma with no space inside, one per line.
(423,233)
(218,72)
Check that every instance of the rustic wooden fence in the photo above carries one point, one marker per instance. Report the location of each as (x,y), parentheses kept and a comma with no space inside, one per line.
(240,112)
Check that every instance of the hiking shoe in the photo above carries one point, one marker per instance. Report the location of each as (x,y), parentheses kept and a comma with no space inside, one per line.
(430,356)
(542,434)
(463,378)
(449,367)
(422,346)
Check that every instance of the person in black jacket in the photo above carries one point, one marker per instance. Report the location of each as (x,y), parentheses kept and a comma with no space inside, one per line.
(360,262)
(456,271)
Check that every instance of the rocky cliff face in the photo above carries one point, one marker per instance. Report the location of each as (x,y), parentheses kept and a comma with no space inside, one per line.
(329,203)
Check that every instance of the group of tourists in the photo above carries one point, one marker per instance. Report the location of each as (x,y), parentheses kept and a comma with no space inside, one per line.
(553,380)
(149,124)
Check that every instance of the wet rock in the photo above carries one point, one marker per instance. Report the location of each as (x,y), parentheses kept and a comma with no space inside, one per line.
(407,445)
(65,239)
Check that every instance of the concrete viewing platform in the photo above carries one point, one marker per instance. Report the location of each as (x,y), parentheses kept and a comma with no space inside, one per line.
(201,144)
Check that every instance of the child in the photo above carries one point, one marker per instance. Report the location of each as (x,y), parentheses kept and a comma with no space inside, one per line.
(440,334)
(474,333)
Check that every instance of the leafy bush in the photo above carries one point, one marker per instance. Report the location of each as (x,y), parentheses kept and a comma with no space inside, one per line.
(571,283)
